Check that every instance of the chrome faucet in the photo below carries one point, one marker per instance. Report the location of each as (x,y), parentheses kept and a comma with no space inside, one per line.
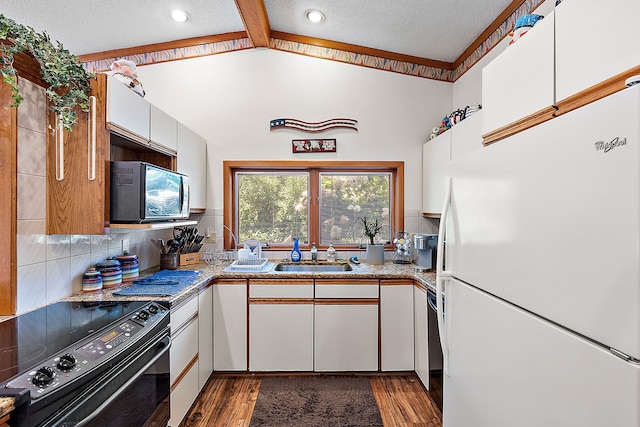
(235,241)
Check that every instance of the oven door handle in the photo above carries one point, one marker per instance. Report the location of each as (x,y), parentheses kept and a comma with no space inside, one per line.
(163,344)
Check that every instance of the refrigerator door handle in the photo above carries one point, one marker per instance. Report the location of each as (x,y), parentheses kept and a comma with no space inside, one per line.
(441,276)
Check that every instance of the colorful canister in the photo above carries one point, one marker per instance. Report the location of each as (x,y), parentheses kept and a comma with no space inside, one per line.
(129,263)
(111,272)
(92,280)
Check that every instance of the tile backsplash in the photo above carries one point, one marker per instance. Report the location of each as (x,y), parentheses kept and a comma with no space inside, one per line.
(51,267)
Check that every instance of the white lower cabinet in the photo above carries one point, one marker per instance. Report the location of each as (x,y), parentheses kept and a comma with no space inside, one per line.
(230,325)
(281,325)
(205,336)
(421,343)
(183,359)
(396,325)
(346,325)
(183,396)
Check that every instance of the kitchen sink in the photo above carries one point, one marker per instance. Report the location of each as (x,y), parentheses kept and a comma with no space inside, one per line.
(312,267)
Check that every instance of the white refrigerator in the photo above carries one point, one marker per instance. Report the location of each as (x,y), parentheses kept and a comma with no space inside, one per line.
(541,274)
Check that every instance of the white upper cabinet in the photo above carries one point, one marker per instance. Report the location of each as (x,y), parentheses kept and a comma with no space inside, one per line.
(436,154)
(466,136)
(192,161)
(595,40)
(163,130)
(127,112)
(520,82)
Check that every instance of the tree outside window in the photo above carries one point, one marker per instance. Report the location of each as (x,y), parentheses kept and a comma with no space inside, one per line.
(321,202)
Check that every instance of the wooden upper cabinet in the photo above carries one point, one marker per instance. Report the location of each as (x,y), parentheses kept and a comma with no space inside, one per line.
(78,171)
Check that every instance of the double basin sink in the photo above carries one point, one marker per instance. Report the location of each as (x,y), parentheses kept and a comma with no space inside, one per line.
(320,267)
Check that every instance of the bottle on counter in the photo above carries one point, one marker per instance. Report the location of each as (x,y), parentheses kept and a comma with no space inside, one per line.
(331,253)
(314,252)
(295,253)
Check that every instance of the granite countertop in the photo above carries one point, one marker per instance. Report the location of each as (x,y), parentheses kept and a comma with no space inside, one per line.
(210,272)
(6,405)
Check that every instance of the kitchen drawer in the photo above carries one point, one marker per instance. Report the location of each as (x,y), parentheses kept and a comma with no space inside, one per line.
(183,396)
(347,289)
(281,288)
(184,348)
(183,312)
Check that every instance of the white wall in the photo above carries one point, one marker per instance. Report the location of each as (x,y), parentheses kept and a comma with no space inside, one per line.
(230,99)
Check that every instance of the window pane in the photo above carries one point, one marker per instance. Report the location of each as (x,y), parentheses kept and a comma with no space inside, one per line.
(272,207)
(345,199)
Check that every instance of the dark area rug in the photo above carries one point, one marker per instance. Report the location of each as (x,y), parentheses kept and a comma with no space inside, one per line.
(316,402)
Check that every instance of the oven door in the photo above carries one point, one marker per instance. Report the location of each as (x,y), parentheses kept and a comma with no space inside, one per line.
(133,393)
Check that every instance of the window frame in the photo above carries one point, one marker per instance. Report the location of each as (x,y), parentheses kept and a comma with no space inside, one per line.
(314,168)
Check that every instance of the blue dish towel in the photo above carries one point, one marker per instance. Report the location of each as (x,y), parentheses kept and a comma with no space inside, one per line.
(162,283)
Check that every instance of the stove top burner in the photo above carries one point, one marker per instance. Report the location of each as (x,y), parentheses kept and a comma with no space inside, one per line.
(28,339)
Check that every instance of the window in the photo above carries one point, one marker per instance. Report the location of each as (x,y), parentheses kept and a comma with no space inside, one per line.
(321,202)
(347,197)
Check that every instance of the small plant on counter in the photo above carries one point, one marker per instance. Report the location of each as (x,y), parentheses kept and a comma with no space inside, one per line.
(371,228)
(68,80)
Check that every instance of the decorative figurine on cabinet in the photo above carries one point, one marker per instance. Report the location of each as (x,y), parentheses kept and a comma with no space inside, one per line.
(124,71)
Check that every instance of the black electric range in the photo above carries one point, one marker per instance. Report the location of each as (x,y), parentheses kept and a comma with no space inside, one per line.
(66,361)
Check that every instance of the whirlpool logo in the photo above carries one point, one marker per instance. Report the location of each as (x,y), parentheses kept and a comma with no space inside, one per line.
(608,146)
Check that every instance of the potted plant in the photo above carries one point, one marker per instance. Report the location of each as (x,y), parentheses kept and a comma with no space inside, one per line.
(69,82)
(375,252)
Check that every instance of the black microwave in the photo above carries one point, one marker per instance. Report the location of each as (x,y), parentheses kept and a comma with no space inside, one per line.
(143,192)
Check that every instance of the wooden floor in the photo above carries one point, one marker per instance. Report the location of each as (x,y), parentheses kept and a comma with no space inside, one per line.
(229,401)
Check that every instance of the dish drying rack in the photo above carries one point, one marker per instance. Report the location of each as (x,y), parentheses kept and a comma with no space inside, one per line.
(253,263)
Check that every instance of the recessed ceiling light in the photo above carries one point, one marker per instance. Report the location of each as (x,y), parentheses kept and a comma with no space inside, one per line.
(179,15)
(314,16)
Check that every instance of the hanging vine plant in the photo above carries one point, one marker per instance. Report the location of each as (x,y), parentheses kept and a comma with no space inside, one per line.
(68,80)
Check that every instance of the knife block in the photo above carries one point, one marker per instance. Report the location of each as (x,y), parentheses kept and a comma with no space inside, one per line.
(190,258)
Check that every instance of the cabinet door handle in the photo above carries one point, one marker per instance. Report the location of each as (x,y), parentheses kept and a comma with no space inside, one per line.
(59,150)
(91,140)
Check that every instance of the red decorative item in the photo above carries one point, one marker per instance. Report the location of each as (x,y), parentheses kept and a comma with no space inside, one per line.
(313,145)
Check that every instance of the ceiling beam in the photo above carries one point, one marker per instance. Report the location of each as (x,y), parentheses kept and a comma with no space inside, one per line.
(256,22)
(176,44)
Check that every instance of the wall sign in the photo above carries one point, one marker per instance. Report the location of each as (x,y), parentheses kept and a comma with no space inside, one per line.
(313,145)
(313,126)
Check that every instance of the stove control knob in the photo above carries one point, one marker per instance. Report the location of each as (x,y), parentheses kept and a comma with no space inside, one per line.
(43,376)
(153,309)
(67,362)
(144,315)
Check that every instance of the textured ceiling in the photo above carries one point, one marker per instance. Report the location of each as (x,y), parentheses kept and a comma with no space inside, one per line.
(432,29)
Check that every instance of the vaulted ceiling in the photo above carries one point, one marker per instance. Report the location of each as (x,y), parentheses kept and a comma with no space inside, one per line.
(439,34)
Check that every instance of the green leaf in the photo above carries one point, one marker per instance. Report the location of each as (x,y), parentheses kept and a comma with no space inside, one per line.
(59,68)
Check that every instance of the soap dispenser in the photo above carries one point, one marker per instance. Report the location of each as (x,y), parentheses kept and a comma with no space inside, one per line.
(331,253)
(295,253)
